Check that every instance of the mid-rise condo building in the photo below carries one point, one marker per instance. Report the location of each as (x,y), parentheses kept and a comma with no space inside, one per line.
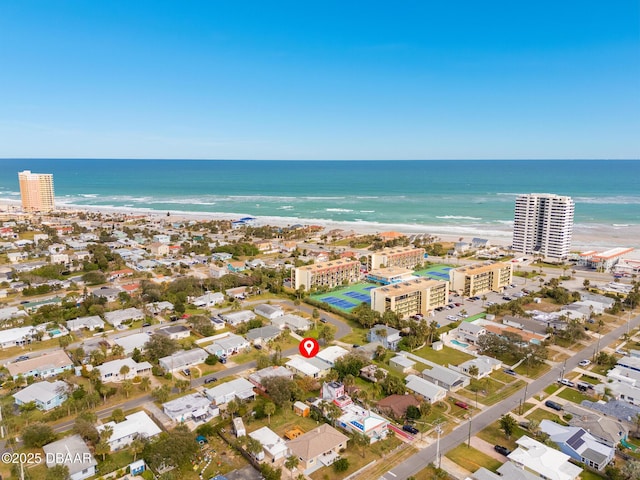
(478,279)
(543,225)
(406,257)
(326,274)
(36,191)
(413,297)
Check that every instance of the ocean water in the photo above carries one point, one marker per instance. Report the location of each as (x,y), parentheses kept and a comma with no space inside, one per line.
(458,194)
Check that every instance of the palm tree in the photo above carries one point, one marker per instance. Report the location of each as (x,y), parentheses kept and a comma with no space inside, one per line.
(269,409)
(291,463)
(145,383)
(361,440)
(127,386)
(124,370)
(136,447)
(253,446)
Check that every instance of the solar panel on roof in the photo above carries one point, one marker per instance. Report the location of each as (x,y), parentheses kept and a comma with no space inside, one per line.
(576,440)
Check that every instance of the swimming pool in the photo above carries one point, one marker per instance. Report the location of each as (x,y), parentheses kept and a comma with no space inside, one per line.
(460,344)
(54,332)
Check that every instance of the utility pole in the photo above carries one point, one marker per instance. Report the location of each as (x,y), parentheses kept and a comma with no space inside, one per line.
(469,437)
(438,431)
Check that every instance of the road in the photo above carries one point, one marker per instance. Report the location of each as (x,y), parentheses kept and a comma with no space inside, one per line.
(459,435)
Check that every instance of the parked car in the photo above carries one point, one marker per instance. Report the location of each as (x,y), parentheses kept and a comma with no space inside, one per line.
(585,362)
(461,405)
(323,320)
(502,450)
(453,318)
(186,372)
(508,371)
(146,324)
(257,346)
(566,382)
(22,358)
(411,429)
(210,380)
(554,405)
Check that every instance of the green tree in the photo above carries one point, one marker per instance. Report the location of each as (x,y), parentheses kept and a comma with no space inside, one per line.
(341,465)
(507,424)
(161,394)
(58,472)
(118,415)
(160,346)
(145,383)
(37,434)
(362,441)
(291,462)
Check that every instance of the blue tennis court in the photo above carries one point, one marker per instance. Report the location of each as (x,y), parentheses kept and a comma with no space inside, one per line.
(369,288)
(358,296)
(338,302)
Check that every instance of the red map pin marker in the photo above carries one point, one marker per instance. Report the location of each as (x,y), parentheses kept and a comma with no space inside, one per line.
(309,347)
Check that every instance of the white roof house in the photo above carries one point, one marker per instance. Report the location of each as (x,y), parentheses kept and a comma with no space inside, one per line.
(308,367)
(209,299)
(133,341)
(331,354)
(425,389)
(294,322)
(46,395)
(269,311)
(446,378)
(228,345)
(236,318)
(486,365)
(159,307)
(183,359)
(118,317)
(402,363)
(16,336)
(225,392)
(110,371)
(75,455)
(544,461)
(579,444)
(137,424)
(90,323)
(361,420)
(193,406)
(274,446)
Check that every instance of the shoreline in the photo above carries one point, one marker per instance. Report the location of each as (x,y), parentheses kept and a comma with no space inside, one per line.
(585,236)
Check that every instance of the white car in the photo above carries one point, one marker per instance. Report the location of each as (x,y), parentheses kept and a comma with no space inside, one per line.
(452,318)
(584,363)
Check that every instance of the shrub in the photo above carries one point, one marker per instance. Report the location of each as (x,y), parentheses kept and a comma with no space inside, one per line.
(341,465)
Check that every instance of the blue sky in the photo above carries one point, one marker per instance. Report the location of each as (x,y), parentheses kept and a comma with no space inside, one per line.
(320,80)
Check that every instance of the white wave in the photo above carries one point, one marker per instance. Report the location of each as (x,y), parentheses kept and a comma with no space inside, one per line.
(620,224)
(324,198)
(367,211)
(286,207)
(89,195)
(340,210)
(610,200)
(365,197)
(505,222)
(457,217)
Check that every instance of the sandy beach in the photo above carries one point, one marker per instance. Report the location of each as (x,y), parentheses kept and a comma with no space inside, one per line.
(585,236)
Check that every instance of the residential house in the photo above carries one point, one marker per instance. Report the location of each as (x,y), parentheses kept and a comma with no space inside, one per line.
(545,462)
(183,359)
(356,419)
(119,317)
(269,311)
(508,471)
(16,337)
(159,249)
(46,395)
(274,448)
(485,365)
(217,272)
(370,371)
(109,294)
(236,318)
(73,453)
(320,446)
(194,406)
(331,354)
(579,444)
(262,335)
(131,342)
(113,371)
(446,378)
(308,367)
(258,378)
(209,299)
(402,364)
(470,332)
(174,332)
(44,366)
(135,425)
(389,337)
(606,430)
(160,307)
(293,322)
(239,388)
(236,266)
(90,323)
(424,389)
(228,345)
(396,405)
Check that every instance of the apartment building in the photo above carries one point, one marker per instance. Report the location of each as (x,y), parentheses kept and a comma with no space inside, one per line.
(543,225)
(36,191)
(406,257)
(413,297)
(478,279)
(328,274)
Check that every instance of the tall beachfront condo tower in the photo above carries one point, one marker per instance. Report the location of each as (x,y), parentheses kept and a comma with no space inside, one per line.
(543,225)
(36,191)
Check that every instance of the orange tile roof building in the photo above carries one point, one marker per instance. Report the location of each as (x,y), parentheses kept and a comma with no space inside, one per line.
(36,191)
(413,297)
(328,274)
(407,257)
(478,279)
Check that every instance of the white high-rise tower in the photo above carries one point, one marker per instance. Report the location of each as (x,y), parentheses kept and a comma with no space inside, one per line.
(543,224)
(36,191)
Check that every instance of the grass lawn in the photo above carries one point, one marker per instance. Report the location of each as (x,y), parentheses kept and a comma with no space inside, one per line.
(495,391)
(428,473)
(533,372)
(589,475)
(444,357)
(358,336)
(540,414)
(500,376)
(591,380)
(495,436)
(471,459)
(526,407)
(573,395)
(551,389)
